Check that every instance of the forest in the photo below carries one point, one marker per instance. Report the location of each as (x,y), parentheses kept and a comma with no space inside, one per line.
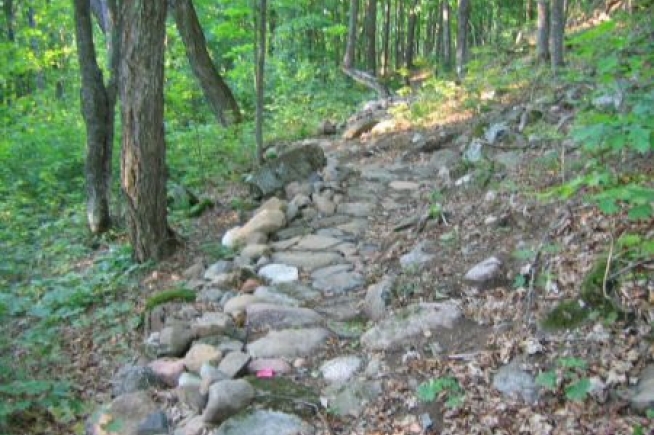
(132,132)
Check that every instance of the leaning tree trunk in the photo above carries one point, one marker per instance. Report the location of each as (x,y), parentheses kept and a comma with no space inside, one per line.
(462,37)
(98,104)
(542,47)
(143,160)
(557,29)
(217,93)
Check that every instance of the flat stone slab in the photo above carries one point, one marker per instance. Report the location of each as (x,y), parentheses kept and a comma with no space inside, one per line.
(314,242)
(291,293)
(307,260)
(289,343)
(340,369)
(271,316)
(331,221)
(279,273)
(356,209)
(410,323)
(340,282)
(355,227)
(265,422)
(331,270)
(404,185)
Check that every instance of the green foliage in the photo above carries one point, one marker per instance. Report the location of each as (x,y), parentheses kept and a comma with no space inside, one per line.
(566,315)
(172,295)
(446,387)
(569,377)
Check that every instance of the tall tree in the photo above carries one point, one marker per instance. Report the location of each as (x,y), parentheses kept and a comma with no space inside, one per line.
(143,160)
(557,30)
(217,93)
(543,36)
(462,37)
(98,109)
(411,34)
(386,35)
(371,36)
(260,68)
(348,60)
(446,44)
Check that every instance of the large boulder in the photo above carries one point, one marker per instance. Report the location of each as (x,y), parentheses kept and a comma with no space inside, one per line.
(295,165)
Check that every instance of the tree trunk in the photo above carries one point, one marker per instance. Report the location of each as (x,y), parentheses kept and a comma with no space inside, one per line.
(557,30)
(217,93)
(411,34)
(348,60)
(399,35)
(447,36)
(10,19)
(261,63)
(143,160)
(98,109)
(543,36)
(371,36)
(462,37)
(386,39)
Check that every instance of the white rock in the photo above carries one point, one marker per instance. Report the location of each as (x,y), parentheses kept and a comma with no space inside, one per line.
(279,273)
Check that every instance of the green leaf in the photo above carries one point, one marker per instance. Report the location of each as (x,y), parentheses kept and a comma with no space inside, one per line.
(572,363)
(578,391)
(643,211)
(608,206)
(641,139)
(547,379)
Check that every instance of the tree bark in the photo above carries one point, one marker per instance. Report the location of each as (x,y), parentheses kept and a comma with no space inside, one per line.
(261,63)
(447,36)
(216,92)
(98,110)
(143,160)
(543,35)
(386,39)
(411,34)
(348,60)
(10,19)
(557,30)
(371,36)
(462,37)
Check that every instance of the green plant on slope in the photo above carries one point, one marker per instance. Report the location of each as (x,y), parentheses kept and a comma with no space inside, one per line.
(446,387)
(569,377)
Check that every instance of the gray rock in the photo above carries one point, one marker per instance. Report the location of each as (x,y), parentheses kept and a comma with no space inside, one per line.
(486,274)
(295,187)
(377,298)
(154,424)
(240,303)
(340,369)
(131,378)
(360,126)
(286,244)
(191,426)
(210,374)
(291,294)
(212,323)
(331,221)
(126,412)
(443,158)
(279,273)
(329,271)
(265,422)
(356,209)
(227,398)
(351,398)
(324,205)
(642,398)
(404,185)
(356,227)
(234,363)
(301,201)
(270,316)
(410,323)
(218,268)
(473,152)
(297,229)
(190,393)
(201,353)
(175,340)
(292,211)
(416,257)
(514,382)
(510,159)
(307,260)
(288,343)
(314,242)
(277,365)
(168,370)
(339,282)
(496,132)
(211,294)
(255,251)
